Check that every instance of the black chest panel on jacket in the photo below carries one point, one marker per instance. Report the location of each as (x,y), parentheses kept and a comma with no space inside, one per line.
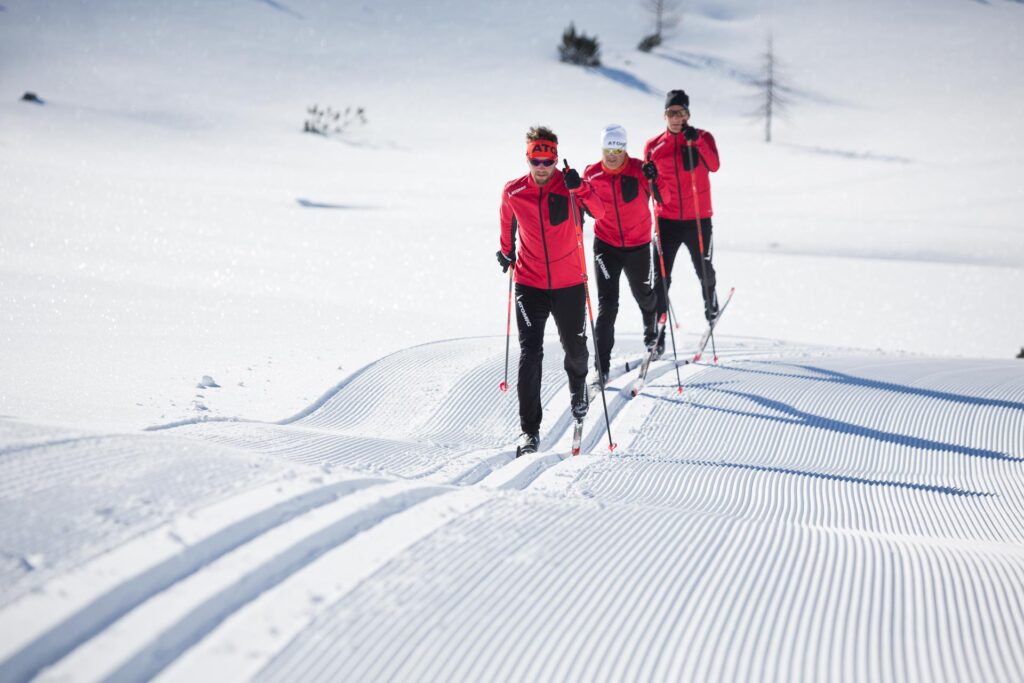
(558,208)
(688,154)
(630,188)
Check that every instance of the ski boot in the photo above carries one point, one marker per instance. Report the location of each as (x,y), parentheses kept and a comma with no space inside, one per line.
(659,346)
(711,311)
(527,444)
(650,330)
(580,402)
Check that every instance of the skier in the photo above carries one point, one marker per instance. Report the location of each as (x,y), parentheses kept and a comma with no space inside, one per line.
(684,157)
(622,240)
(548,281)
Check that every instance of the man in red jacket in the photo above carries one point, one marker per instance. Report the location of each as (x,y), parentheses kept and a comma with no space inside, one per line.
(684,156)
(548,274)
(622,238)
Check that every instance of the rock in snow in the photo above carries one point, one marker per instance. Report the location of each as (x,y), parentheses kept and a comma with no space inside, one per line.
(207,382)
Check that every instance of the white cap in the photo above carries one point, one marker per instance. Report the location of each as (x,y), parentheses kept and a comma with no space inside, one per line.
(614,137)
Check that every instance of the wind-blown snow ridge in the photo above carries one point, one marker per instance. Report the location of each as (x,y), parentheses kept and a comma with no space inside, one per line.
(797,512)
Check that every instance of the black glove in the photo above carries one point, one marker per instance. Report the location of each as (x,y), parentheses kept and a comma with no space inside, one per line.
(650,170)
(691,133)
(572,179)
(505,261)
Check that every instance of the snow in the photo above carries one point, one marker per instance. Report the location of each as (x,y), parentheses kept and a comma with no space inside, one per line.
(248,376)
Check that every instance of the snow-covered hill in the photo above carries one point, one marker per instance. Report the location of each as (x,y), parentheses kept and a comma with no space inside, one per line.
(795,514)
(165,218)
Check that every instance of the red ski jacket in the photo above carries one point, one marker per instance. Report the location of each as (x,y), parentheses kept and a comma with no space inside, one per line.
(672,157)
(625,194)
(537,222)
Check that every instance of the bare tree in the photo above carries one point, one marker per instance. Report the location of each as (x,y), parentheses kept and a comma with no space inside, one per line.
(773,92)
(666,18)
(666,15)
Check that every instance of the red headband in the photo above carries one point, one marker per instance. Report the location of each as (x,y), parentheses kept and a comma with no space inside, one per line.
(541,149)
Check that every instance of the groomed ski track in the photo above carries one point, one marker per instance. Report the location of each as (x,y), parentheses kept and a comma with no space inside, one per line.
(797,513)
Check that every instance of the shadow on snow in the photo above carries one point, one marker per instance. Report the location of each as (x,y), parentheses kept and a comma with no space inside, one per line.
(833,376)
(281,8)
(310,204)
(931,488)
(793,416)
(625,78)
(741,75)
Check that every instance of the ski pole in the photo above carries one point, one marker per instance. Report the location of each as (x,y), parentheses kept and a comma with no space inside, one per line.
(700,241)
(664,288)
(508,329)
(590,309)
(671,306)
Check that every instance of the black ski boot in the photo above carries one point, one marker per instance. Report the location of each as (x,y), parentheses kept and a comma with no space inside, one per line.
(659,346)
(650,334)
(580,402)
(711,312)
(527,444)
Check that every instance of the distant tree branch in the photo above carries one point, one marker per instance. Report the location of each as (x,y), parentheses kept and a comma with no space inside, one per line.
(773,100)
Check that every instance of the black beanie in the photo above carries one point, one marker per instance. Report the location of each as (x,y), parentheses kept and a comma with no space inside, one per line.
(677,98)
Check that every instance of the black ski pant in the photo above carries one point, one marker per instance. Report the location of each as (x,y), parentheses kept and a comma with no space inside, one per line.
(609,263)
(673,235)
(568,306)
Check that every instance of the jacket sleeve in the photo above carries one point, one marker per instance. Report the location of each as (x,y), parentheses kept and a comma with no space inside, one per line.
(591,202)
(508,225)
(708,150)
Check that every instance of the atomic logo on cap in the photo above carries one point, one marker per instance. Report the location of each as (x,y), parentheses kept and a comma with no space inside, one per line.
(541,149)
(613,137)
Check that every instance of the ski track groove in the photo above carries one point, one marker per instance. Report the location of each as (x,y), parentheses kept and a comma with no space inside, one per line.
(794,514)
(204,617)
(119,600)
(92,497)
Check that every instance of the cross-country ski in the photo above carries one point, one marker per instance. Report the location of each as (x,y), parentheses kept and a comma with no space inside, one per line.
(702,344)
(577,436)
(637,385)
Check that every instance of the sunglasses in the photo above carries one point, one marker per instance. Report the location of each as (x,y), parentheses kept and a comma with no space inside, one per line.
(676,113)
(542,162)
(614,151)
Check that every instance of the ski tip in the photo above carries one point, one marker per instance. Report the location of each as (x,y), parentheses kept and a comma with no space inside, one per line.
(612,447)
(503,386)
